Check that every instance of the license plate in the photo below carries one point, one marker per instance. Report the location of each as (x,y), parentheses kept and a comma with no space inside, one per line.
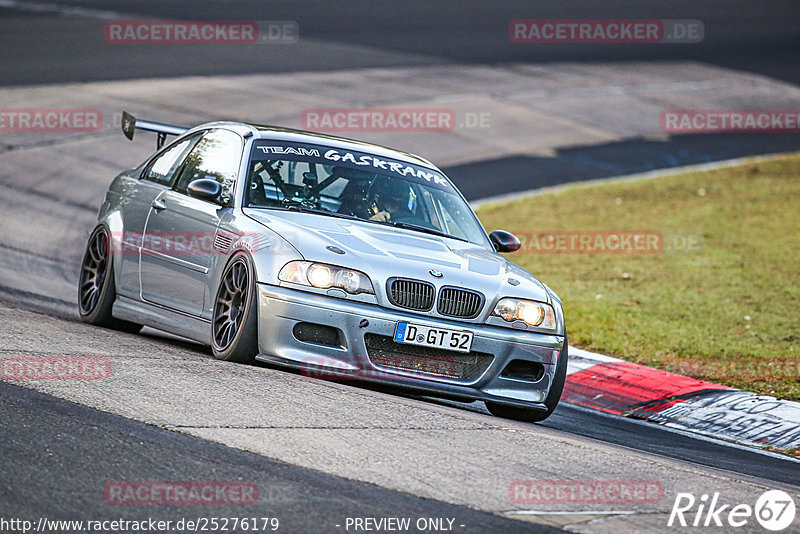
(440,338)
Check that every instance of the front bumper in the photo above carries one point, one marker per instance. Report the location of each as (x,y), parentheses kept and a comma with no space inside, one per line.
(281,309)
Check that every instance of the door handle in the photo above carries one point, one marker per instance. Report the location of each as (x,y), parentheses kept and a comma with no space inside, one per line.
(158,205)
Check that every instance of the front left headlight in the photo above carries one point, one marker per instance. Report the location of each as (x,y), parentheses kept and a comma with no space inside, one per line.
(533,313)
(324,276)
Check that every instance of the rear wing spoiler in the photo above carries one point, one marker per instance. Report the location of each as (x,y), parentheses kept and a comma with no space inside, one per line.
(130,125)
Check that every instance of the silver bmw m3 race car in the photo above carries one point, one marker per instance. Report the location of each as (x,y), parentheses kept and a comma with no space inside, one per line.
(339,258)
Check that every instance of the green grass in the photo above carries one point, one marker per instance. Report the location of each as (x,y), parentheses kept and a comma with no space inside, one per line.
(714,312)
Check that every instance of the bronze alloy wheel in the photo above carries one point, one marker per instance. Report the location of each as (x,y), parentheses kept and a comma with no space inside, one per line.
(93,271)
(233,326)
(96,290)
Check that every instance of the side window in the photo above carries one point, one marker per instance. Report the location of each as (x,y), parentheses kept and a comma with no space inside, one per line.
(163,169)
(216,156)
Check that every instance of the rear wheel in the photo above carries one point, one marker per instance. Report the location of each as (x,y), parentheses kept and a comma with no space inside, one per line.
(96,289)
(234,324)
(551,401)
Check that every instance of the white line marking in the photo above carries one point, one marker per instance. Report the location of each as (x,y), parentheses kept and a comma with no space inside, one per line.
(580,512)
(594,356)
(605,90)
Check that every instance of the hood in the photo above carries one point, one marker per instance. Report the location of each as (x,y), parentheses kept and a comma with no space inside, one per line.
(383,252)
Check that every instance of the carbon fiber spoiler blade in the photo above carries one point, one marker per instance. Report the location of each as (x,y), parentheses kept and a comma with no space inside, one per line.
(130,125)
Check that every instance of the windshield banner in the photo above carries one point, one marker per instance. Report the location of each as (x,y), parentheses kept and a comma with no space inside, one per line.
(339,157)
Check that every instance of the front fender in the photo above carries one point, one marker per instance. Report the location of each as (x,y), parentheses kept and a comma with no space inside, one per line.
(112,220)
(267,250)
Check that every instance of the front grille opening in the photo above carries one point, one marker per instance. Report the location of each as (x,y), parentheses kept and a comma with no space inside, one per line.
(384,352)
(523,370)
(318,334)
(456,302)
(411,294)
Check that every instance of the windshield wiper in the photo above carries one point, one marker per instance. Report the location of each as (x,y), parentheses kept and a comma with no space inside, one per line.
(296,207)
(425,229)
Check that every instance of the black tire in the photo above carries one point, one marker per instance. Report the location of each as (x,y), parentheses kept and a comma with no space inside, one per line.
(553,396)
(234,323)
(96,289)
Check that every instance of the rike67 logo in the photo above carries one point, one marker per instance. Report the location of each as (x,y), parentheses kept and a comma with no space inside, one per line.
(774,510)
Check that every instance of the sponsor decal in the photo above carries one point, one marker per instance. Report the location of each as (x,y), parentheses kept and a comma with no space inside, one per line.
(351,159)
(289,150)
(402,169)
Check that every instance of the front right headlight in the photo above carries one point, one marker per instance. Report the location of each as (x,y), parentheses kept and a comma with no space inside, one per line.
(533,313)
(324,276)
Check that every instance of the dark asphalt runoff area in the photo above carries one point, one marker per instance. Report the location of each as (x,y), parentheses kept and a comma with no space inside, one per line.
(757,37)
(58,457)
(578,164)
(642,436)
(761,37)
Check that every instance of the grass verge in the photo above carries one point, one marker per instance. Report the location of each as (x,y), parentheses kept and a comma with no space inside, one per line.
(715,294)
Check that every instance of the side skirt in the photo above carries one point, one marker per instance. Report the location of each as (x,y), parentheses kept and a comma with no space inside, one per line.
(161,318)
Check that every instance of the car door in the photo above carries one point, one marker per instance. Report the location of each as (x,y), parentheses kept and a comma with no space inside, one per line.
(178,249)
(157,176)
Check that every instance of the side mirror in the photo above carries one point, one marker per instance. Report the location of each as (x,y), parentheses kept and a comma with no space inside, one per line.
(504,241)
(205,189)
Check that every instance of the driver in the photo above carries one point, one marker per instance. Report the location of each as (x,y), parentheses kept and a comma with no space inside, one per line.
(390,201)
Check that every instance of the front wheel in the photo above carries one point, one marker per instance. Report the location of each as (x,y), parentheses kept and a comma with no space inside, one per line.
(553,396)
(234,324)
(96,289)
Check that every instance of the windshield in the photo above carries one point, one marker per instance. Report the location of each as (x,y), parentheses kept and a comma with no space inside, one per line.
(359,185)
